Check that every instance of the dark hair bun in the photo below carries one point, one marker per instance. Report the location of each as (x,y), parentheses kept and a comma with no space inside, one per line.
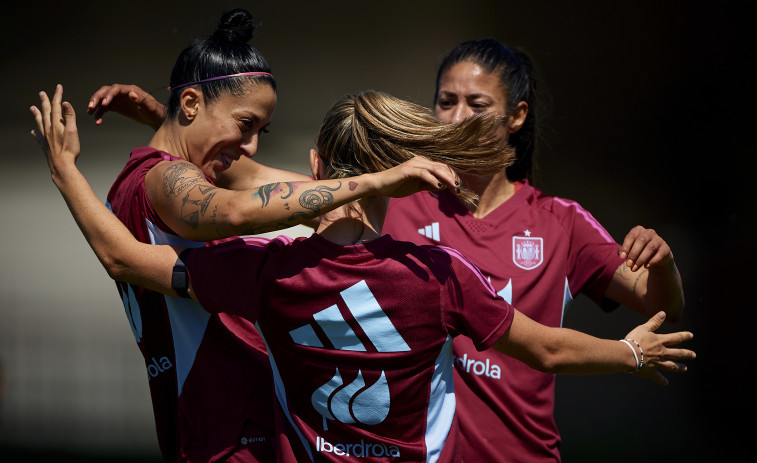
(236,25)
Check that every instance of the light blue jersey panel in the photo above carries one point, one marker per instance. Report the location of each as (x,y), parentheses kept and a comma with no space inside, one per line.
(441,407)
(188,319)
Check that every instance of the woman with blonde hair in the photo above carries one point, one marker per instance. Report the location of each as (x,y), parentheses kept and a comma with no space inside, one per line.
(359,326)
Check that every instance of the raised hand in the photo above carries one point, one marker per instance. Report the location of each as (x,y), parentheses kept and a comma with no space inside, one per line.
(56,131)
(128,100)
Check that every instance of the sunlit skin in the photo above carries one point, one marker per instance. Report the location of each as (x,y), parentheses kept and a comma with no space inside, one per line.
(466,89)
(212,136)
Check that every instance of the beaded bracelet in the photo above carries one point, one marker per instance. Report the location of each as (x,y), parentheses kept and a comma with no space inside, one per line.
(641,354)
(638,365)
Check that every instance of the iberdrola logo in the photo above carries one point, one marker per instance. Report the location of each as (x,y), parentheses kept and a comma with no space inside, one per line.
(352,400)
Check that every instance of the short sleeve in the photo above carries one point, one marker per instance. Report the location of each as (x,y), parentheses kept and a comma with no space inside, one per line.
(593,256)
(226,276)
(473,309)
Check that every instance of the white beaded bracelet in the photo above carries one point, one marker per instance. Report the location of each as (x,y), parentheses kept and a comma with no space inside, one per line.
(641,353)
(638,365)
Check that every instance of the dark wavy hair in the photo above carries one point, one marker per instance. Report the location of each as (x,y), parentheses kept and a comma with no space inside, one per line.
(515,70)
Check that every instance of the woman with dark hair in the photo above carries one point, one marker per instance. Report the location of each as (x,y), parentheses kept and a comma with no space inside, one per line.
(538,251)
(359,326)
(209,374)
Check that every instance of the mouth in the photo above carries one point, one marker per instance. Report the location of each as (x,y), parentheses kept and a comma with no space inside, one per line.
(226,161)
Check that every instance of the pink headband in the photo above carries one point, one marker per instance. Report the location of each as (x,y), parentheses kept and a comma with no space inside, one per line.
(222,77)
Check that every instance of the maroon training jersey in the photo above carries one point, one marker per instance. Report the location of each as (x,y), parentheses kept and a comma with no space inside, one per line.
(359,339)
(538,252)
(210,379)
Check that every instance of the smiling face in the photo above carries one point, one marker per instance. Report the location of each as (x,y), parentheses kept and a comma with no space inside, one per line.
(466,89)
(228,128)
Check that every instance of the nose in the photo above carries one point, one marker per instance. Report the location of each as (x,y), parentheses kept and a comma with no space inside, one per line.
(459,113)
(250,147)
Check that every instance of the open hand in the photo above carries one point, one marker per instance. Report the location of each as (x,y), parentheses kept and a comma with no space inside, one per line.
(56,130)
(656,354)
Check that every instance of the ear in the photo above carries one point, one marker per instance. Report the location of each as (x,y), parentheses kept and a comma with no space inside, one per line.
(317,168)
(190,101)
(517,117)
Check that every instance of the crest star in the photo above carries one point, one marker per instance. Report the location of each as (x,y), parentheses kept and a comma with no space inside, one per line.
(527,232)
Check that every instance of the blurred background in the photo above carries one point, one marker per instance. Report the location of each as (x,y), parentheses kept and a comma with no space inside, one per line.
(648,121)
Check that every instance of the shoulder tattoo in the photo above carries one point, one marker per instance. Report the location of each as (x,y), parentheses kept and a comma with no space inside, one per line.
(184,180)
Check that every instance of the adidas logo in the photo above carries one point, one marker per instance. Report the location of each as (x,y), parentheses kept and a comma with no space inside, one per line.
(430,231)
(351,401)
(367,313)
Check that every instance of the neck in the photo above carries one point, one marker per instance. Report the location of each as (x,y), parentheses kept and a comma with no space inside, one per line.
(354,223)
(167,138)
(493,191)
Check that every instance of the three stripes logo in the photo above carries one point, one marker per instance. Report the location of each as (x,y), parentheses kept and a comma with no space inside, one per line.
(430,231)
(352,402)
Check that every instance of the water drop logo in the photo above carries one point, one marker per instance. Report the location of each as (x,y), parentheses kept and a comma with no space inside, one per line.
(352,400)
(353,403)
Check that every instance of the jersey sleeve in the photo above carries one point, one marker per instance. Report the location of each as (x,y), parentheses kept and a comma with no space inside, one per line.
(226,276)
(593,256)
(473,308)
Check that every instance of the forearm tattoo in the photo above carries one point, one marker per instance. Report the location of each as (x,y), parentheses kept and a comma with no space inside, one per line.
(626,274)
(185,181)
(265,191)
(318,197)
(313,199)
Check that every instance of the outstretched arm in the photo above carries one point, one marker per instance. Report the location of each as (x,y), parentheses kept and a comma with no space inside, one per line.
(648,281)
(124,258)
(565,351)
(197,210)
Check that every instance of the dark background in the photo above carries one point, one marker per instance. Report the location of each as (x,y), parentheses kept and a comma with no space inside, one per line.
(648,121)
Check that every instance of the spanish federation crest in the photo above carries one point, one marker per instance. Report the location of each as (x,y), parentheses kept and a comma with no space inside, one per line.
(528,251)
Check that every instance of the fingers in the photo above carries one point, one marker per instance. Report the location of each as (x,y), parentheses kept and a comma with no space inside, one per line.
(660,379)
(676,338)
(55,115)
(643,247)
(69,117)
(101,97)
(44,103)
(99,101)
(673,367)
(438,175)
(38,133)
(655,321)
(679,354)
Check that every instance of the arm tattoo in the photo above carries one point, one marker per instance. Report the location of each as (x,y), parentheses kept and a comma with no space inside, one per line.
(184,178)
(318,197)
(625,273)
(313,199)
(265,191)
(179,177)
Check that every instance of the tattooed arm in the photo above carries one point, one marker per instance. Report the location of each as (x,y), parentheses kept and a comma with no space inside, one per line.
(197,210)
(648,281)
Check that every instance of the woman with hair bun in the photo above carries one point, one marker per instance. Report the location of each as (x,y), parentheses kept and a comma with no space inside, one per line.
(209,375)
(359,326)
(538,251)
